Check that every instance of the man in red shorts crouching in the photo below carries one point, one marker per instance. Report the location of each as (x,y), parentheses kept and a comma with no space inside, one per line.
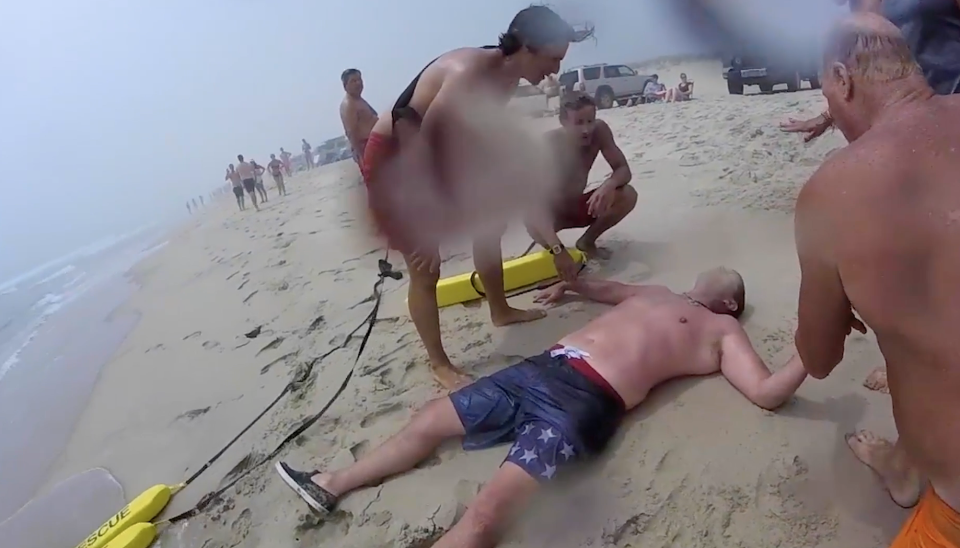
(576,143)
(403,204)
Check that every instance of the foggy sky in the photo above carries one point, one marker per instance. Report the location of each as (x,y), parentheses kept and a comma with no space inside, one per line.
(116,112)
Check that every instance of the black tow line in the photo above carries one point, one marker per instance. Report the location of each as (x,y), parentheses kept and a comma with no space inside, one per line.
(385,271)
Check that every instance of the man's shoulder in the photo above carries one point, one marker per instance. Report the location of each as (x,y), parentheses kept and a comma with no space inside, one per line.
(864,166)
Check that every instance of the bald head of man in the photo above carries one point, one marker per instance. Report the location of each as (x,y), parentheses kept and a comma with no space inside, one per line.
(867,65)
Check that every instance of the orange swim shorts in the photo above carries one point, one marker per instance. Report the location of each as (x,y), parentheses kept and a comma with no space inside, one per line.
(933,524)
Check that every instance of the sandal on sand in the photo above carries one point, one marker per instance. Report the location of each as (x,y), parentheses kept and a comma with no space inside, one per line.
(315,496)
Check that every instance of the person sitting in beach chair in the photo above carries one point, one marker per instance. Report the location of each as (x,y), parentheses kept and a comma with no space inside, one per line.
(577,142)
(683,91)
(653,90)
(564,405)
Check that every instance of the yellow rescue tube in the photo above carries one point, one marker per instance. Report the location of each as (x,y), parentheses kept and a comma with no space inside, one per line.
(517,273)
(141,509)
(138,535)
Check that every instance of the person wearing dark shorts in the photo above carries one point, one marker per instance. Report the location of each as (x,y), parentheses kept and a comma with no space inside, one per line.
(563,406)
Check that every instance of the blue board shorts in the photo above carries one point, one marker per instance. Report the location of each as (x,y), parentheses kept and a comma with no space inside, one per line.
(553,410)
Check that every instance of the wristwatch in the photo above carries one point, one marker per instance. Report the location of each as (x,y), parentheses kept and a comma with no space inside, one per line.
(557,249)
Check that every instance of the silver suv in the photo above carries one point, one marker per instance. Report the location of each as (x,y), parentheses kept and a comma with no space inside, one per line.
(608,84)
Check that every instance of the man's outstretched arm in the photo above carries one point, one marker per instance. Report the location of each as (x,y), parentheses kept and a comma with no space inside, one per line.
(601,291)
(741,365)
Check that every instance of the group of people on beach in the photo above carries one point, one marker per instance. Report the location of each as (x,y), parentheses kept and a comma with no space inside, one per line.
(248,176)
(877,229)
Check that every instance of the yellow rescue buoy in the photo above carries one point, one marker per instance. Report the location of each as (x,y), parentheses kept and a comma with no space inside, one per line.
(141,509)
(517,273)
(138,535)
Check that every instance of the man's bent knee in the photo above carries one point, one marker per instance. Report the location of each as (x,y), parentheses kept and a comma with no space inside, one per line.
(627,198)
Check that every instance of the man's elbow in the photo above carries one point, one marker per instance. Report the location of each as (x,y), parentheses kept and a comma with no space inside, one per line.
(820,365)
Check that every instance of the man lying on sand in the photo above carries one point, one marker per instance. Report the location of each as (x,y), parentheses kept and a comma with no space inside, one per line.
(900,274)
(566,404)
(576,143)
(532,48)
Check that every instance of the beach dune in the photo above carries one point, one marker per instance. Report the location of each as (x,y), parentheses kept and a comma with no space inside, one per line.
(695,466)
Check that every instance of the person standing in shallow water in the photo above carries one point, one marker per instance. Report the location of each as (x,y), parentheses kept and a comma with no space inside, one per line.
(532,48)
(356,114)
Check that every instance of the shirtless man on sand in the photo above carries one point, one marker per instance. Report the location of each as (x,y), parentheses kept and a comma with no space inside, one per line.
(357,115)
(577,143)
(236,183)
(564,405)
(532,48)
(900,274)
(248,175)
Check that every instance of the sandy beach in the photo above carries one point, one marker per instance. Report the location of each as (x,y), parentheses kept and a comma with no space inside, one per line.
(696,466)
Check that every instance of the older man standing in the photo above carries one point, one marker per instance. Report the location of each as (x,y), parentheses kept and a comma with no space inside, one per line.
(900,275)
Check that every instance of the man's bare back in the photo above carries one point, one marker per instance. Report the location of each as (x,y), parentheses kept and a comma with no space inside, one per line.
(878,228)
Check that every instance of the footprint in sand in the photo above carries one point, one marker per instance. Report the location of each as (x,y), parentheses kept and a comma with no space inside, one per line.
(154,348)
(193,413)
(192,335)
(210,345)
(359,449)
(241,525)
(381,413)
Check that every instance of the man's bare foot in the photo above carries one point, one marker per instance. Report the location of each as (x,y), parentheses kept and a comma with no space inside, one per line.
(902,480)
(877,380)
(591,250)
(449,376)
(515,315)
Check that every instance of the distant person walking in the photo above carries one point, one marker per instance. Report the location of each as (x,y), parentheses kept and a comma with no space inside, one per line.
(237,183)
(356,114)
(308,154)
(285,158)
(201,200)
(275,171)
(248,175)
(258,171)
(190,211)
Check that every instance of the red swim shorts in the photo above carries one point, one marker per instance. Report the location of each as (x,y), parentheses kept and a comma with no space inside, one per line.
(379,151)
(576,215)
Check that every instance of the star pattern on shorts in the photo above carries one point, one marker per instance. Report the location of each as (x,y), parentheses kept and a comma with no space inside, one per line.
(546,434)
(567,451)
(514,449)
(548,471)
(526,429)
(528,456)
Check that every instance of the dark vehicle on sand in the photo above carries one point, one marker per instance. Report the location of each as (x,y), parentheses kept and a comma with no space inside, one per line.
(767,70)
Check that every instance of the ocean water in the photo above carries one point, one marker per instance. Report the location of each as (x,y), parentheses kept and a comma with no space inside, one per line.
(58,326)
